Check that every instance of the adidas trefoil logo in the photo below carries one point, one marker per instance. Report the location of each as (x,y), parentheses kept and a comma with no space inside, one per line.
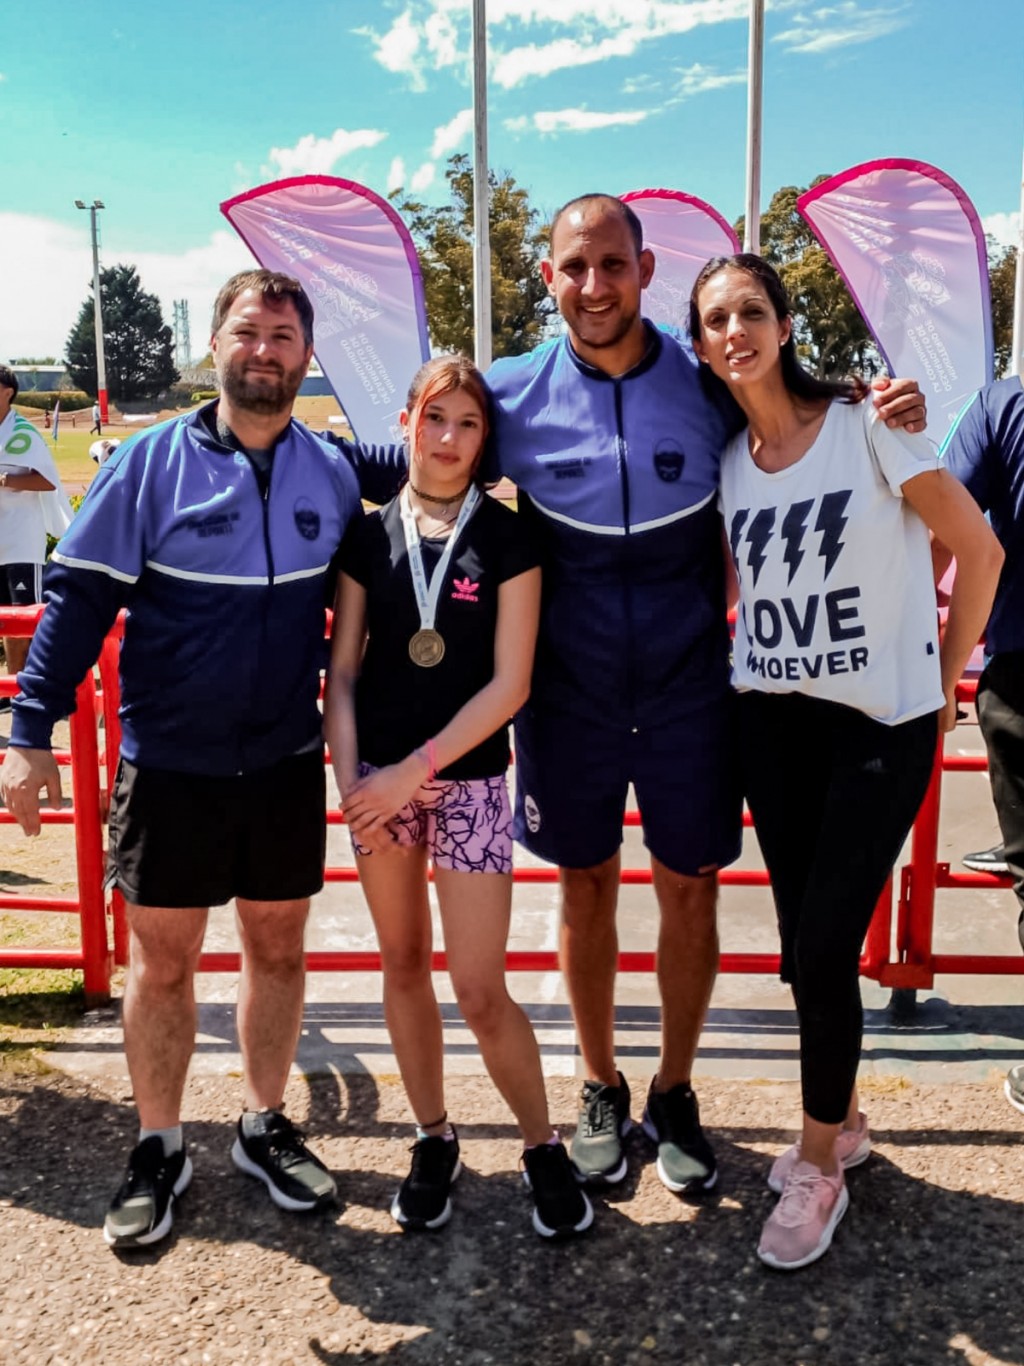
(465,591)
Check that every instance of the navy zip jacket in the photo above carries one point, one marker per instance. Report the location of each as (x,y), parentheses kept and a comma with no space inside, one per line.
(985,450)
(621,477)
(225,590)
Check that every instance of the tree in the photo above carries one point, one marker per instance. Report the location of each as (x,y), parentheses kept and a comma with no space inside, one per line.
(1002,274)
(34,360)
(444,239)
(831,336)
(137,344)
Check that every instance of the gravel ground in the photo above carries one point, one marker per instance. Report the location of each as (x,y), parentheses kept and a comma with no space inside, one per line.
(924,1268)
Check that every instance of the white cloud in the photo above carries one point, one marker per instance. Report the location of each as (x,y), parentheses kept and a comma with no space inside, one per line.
(396,174)
(834,26)
(436,33)
(513,67)
(316,156)
(1004,227)
(423,178)
(38,308)
(398,50)
(450,135)
(697,80)
(572,120)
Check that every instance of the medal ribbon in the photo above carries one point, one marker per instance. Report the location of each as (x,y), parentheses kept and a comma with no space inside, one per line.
(428,594)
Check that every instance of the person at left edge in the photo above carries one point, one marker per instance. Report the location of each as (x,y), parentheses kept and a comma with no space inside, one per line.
(32,504)
(216,531)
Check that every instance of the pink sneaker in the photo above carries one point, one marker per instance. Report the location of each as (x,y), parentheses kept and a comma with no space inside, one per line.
(799,1230)
(853,1146)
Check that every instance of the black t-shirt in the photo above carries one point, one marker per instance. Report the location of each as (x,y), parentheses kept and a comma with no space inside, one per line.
(399,705)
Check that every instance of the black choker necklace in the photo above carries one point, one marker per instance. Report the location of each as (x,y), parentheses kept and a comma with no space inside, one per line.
(444,502)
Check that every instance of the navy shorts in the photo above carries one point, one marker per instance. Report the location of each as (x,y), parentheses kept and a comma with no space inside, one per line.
(188,839)
(572,778)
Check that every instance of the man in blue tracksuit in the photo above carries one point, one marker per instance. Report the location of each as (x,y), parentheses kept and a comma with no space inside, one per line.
(216,531)
(985,450)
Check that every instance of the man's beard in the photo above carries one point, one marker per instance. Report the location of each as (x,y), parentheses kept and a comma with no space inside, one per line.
(259,397)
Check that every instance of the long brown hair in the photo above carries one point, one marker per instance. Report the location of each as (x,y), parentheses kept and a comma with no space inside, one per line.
(800,382)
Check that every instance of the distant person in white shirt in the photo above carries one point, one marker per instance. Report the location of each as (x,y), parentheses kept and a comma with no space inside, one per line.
(32,503)
(96,421)
(101,451)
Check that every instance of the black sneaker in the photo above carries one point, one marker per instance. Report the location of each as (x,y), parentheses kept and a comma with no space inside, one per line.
(603,1121)
(686,1162)
(424,1197)
(988,861)
(140,1212)
(1014,1086)
(277,1156)
(560,1207)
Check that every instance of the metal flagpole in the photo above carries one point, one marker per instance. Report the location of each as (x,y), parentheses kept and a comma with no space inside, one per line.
(755,74)
(1017,354)
(481,196)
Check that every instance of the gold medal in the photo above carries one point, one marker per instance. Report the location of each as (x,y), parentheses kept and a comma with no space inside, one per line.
(426,648)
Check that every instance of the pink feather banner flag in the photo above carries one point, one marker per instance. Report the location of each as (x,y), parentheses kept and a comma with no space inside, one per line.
(355,259)
(910,246)
(683,232)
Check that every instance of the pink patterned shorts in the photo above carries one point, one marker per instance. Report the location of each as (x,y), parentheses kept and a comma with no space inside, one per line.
(465,823)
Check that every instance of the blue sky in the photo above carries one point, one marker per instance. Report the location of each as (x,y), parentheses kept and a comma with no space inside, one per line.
(163,111)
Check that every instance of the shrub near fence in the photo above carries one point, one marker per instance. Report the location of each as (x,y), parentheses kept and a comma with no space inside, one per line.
(71,400)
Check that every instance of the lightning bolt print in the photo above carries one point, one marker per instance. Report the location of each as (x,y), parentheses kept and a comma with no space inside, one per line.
(794,525)
(757,538)
(831,523)
(738,522)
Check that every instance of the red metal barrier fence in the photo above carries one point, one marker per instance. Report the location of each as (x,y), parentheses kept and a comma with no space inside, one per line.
(897,952)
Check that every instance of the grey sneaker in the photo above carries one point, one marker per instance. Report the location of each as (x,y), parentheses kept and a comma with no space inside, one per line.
(686,1162)
(1014,1087)
(141,1211)
(988,861)
(276,1155)
(603,1122)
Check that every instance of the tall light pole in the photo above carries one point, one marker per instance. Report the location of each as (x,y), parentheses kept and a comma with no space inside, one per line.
(101,365)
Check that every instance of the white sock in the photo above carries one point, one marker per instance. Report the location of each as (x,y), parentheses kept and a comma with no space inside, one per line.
(171,1138)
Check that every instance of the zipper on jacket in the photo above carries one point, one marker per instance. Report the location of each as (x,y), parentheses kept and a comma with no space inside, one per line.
(621,455)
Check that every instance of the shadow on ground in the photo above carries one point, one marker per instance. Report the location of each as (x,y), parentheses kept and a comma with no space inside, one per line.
(925,1268)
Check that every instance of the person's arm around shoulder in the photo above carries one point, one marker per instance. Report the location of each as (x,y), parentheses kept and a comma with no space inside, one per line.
(380,470)
(900,403)
(378,797)
(954,519)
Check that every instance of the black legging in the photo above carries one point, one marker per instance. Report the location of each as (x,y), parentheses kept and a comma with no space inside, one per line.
(833,794)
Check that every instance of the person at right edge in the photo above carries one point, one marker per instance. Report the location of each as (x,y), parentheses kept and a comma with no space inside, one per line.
(985,450)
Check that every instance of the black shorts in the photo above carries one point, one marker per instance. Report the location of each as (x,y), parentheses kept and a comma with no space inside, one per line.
(21,585)
(186,839)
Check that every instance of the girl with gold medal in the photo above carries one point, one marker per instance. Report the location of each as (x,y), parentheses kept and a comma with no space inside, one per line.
(435,626)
